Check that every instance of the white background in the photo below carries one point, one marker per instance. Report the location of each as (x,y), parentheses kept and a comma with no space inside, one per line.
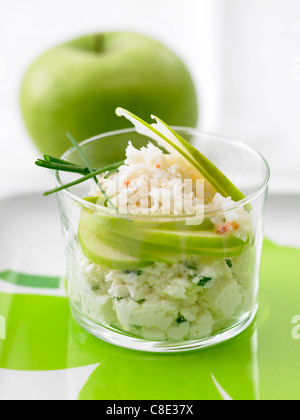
(244,56)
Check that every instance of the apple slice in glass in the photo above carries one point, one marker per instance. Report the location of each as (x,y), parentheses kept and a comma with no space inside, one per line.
(179,239)
(158,252)
(101,253)
(113,250)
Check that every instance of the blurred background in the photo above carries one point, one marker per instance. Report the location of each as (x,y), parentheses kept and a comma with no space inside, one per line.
(244,57)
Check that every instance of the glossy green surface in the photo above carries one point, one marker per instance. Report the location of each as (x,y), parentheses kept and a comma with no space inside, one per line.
(261,363)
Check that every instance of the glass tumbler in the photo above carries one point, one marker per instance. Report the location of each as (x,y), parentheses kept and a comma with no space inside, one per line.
(162,283)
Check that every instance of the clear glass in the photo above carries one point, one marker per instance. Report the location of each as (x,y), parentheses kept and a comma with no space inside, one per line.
(157,292)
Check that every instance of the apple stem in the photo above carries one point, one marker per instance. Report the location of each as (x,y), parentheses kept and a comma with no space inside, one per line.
(99,43)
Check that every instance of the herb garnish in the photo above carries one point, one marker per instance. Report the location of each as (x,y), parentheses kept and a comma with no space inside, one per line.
(204,280)
(51,162)
(80,151)
(181,319)
(140,301)
(80,180)
(57,164)
(229,263)
(136,272)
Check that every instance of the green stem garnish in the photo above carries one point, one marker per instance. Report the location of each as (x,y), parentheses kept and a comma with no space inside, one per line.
(58,164)
(80,151)
(53,159)
(84,178)
(62,167)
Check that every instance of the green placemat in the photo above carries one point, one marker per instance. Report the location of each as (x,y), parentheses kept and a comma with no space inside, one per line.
(37,333)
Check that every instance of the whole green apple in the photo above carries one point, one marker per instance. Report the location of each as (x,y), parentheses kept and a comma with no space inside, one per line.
(76,87)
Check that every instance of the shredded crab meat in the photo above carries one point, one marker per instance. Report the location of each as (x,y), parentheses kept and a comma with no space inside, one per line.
(152,180)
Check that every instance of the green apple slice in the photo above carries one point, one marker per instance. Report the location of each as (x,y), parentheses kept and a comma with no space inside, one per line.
(118,223)
(102,254)
(144,222)
(160,245)
(111,250)
(139,251)
(182,239)
(157,237)
(93,245)
(170,140)
(163,253)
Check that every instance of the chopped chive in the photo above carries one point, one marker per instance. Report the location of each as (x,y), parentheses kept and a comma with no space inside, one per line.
(62,167)
(203,281)
(112,171)
(58,164)
(136,272)
(229,263)
(140,301)
(53,159)
(181,320)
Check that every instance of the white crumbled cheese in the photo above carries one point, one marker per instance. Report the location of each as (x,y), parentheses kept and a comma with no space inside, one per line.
(203,325)
(177,288)
(179,331)
(163,301)
(153,334)
(190,312)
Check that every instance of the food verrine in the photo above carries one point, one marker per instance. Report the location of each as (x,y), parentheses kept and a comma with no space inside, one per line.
(163,248)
